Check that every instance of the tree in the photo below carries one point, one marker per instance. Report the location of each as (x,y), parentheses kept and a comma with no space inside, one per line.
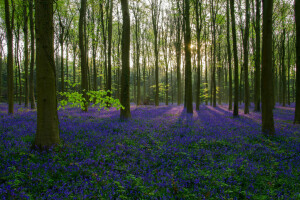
(31,84)
(229,56)
(9,22)
(246,53)
(198,30)
(188,70)
(136,13)
(25,29)
(236,67)
(155,10)
(257,59)
(178,54)
(266,79)
(82,47)
(108,87)
(47,132)
(125,77)
(297,19)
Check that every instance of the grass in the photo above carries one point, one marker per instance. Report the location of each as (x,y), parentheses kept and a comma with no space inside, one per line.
(161,153)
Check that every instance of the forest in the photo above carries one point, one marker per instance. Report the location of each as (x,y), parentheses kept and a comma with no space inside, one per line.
(150,99)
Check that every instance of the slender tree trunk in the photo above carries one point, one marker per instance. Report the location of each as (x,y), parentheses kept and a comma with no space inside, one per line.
(74,63)
(297,19)
(198,28)
(9,22)
(25,29)
(82,47)
(214,98)
(125,77)
(104,44)
(178,59)
(283,75)
(236,66)
(47,132)
(206,71)
(62,77)
(18,70)
(188,75)
(155,18)
(109,47)
(266,79)
(246,52)
(229,56)
(67,64)
(257,59)
(31,81)
(289,71)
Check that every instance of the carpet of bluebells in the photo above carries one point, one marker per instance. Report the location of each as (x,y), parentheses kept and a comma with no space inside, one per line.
(161,153)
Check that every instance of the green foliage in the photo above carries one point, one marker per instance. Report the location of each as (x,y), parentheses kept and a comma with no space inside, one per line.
(100,99)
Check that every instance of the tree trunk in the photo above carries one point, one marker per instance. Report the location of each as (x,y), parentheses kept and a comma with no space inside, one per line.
(214,88)
(188,70)
(137,61)
(47,132)
(246,52)
(283,75)
(257,59)
(9,22)
(25,29)
(155,18)
(229,56)
(82,47)
(266,79)
(62,77)
(236,64)
(104,43)
(67,64)
(297,19)
(198,28)
(32,51)
(108,87)
(178,58)
(125,77)
(74,63)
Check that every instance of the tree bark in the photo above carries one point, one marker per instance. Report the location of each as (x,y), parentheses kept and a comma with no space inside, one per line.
(155,18)
(246,52)
(178,57)
(25,30)
(82,47)
(109,48)
(283,75)
(32,51)
(266,79)
(125,77)
(236,67)
(229,56)
(47,132)
(188,75)
(297,19)
(257,59)
(198,28)
(9,22)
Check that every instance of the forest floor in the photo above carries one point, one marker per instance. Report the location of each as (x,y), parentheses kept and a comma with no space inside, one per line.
(161,153)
